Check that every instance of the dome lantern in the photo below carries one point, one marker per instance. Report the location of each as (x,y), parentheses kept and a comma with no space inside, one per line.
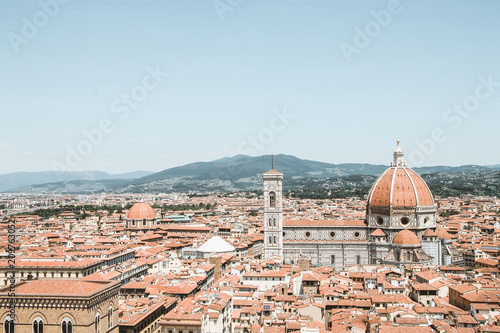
(398,157)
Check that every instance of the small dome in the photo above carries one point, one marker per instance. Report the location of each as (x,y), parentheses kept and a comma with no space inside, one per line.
(429,233)
(140,211)
(442,233)
(406,237)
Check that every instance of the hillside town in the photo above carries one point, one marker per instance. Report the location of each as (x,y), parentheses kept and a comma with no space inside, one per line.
(186,263)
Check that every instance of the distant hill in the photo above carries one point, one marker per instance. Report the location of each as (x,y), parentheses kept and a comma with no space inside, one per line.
(19,179)
(494,167)
(483,183)
(71,186)
(242,173)
(241,167)
(131,175)
(452,169)
(238,173)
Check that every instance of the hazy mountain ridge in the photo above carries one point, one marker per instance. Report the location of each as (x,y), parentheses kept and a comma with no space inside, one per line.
(71,186)
(20,179)
(238,173)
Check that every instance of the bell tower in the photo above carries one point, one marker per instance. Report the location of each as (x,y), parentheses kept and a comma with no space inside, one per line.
(273,214)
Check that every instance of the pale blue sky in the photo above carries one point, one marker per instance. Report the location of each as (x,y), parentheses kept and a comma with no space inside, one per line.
(226,79)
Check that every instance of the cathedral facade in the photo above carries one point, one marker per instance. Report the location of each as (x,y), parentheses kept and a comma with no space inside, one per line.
(399,228)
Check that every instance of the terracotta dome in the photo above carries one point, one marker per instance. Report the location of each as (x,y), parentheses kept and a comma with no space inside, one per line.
(429,233)
(406,237)
(140,211)
(442,233)
(400,187)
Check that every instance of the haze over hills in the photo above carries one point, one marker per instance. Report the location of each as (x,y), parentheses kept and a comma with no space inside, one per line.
(19,179)
(224,175)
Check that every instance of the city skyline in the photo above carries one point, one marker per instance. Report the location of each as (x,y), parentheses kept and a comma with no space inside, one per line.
(153,85)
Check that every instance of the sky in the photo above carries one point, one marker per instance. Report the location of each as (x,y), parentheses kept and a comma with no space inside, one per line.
(120,85)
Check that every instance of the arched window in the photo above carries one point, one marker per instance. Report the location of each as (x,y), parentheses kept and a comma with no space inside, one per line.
(358,259)
(8,325)
(332,259)
(97,323)
(272,200)
(408,256)
(38,325)
(110,317)
(270,240)
(66,326)
(275,240)
(274,222)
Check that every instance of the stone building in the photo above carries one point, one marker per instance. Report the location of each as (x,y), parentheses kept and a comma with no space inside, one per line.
(42,268)
(273,213)
(399,228)
(68,306)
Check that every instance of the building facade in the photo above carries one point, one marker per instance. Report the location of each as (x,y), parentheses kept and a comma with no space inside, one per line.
(55,306)
(399,228)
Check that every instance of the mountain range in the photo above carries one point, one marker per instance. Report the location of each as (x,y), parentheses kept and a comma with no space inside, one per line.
(228,174)
(19,179)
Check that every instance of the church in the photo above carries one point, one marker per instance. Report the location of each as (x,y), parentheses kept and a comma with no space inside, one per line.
(399,229)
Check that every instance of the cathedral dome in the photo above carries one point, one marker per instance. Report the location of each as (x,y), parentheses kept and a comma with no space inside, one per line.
(400,187)
(406,237)
(140,211)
